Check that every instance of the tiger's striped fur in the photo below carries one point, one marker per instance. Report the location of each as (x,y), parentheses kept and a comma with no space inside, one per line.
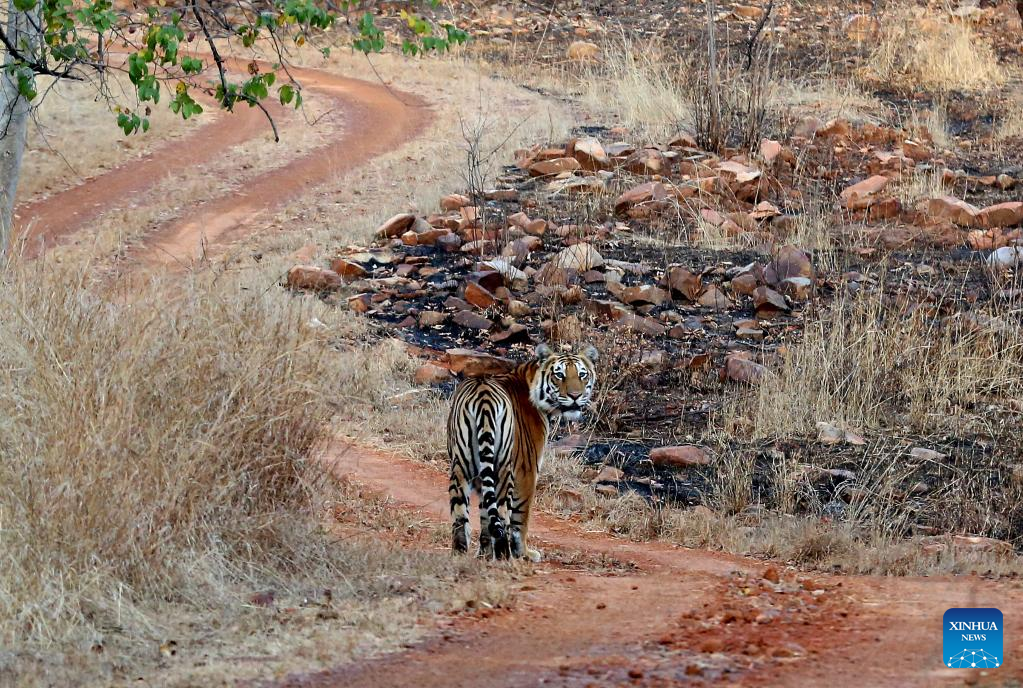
(497,429)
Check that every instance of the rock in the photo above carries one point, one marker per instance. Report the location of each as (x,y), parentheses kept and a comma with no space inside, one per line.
(546,168)
(981,544)
(744,284)
(863,194)
(1006,257)
(925,454)
(751,333)
(714,298)
(476,364)
(590,154)
(432,318)
(768,302)
(740,369)
(644,193)
(1001,215)
(609,474)
(396,225)
(313,278)
(453,202)
(645,161)
(430,374)
(644,294)
(679,456)
(769,150)
(348,270)
(684,283)
(471,321)
(640,324)
(748,12)
(797,288)
(829,434)
(360,303)
(515,334)
(519,309)
(449,243)
(1005,182)
(606,490)
(788,262)
(513,277)
(582,51)
(479,296)
(579,257)
(954,210)
(605,311)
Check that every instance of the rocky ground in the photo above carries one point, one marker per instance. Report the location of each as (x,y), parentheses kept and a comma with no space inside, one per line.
(695,273)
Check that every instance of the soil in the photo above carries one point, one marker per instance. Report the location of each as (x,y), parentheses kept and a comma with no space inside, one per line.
(676,617)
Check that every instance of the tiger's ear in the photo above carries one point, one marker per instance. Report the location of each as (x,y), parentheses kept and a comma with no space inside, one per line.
(590,352)
(543,351)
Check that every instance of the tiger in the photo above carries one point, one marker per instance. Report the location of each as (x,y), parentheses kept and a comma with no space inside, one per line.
(497,428)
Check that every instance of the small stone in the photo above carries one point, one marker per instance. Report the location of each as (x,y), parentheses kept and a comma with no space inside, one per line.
(432,318)
(579,257)
(546,168)
(430,374)
(606,490)
(609,474)
(396,225)
(829,434)
(739,369)
(679,456)
(768,302)
(479,296)
(313,278)
(470,320)
(453,202)
(644,294)
(925,454)
(715,299)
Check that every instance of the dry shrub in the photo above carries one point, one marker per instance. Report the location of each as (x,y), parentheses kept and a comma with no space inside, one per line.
(869,362)
(154,449)
(917,50)
(649,96)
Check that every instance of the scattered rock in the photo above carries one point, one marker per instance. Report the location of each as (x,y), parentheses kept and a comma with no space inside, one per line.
(348,270)
(475,364)
(679,456)
(478,296)
(546,168)
(714,298)
(863,194)
(472,321)
(644,294)
(768,302)
(684,283)
(609,474)
(313,278)
(925,454)
(430,374)
(579,257)
(829,434)
(740,369)
(432,318)
(396,225)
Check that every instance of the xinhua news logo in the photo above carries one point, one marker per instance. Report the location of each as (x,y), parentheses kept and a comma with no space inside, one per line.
(972,638)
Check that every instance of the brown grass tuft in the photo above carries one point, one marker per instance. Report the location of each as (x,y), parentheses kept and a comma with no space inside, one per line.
(917,50)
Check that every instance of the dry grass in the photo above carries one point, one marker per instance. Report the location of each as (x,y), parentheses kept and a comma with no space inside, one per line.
(76,136)
(1010,124)
(918,50)
(176,484)
(921,185)
(648,96)
(869,363)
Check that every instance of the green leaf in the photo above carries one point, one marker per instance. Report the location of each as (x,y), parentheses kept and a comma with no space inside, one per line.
(24,5)
(286,94)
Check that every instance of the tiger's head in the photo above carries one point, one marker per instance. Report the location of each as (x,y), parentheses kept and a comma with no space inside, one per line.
(563,385)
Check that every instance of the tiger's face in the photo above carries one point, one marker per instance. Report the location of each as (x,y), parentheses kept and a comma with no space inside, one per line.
(564,383)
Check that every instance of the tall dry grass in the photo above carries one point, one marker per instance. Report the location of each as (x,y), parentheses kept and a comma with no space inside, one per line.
(153,448)
(871,362)
(917,49)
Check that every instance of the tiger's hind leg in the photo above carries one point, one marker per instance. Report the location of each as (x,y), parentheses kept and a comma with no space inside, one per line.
(459,490)
(486,544)
(489,504)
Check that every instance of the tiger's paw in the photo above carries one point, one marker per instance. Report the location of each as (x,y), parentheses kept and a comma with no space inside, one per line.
(534,555)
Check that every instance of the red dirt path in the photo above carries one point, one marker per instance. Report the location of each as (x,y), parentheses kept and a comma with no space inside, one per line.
(679,617)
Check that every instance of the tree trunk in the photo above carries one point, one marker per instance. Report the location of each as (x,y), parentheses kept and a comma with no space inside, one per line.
(15,111)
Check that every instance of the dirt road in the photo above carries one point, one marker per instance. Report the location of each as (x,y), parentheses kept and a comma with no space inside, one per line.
(675,617)
(375,120)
